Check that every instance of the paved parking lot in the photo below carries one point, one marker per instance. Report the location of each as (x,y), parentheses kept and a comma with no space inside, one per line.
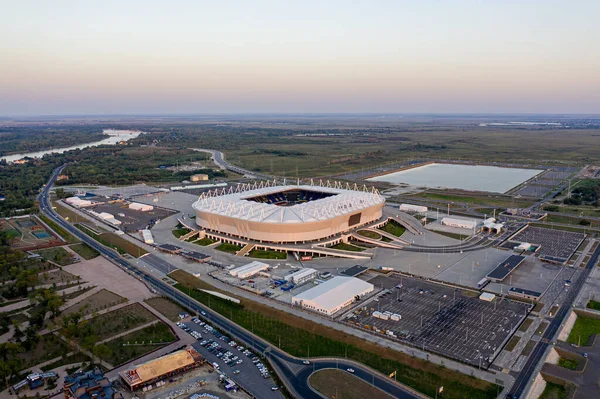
(132,220)
(249,376)
(443,320)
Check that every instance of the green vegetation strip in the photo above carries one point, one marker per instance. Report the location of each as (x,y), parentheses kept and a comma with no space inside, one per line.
(85,251)
(369,234)
(583,328)
(277,326)
(347,247)
(570,364)
(229,248)
(554,391)
(137,343)
(204,241)
(59,230)
(593,305)
(393,228)
(265,254)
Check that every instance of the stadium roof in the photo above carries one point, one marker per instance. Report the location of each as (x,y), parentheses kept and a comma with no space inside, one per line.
(233,202)
(335,291)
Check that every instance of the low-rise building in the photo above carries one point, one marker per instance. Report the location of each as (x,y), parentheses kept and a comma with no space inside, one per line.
(249,270)
(301,276)
(459,223)
(89,384)
(333,295)
(199,177)
(161,368)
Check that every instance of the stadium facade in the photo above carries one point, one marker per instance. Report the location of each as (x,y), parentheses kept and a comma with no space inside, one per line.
(274,213)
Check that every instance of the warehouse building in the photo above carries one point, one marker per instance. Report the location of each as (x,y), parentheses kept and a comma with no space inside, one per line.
(459,223)
(199,177)
(249,270)
(413,208)
(162,368)
(136,206)
(333,295)
(301,276)
(78,202)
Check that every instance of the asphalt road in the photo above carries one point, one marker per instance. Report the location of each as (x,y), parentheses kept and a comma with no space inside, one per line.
(291,370)
(527,373)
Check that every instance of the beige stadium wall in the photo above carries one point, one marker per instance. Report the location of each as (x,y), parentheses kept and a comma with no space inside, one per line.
(285,232)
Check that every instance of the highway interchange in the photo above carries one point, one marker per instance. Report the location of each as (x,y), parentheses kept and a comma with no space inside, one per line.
(290,370)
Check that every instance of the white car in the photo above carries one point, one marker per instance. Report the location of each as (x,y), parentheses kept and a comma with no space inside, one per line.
(306,362)
(350,370)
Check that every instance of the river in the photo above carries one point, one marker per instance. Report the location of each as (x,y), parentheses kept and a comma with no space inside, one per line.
(114,136)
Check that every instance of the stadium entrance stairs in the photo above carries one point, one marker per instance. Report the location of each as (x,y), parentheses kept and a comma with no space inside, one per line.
(411,224)
(397,244)
(247,248)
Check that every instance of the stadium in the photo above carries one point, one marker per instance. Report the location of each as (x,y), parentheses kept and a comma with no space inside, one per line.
(269,212)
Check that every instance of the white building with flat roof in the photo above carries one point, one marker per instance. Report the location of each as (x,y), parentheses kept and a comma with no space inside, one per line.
(459,223)
(249,270)
(413,208)
(301,276)
(136,206)
(333,295)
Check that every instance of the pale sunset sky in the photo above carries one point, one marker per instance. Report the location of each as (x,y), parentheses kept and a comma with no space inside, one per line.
(175,57)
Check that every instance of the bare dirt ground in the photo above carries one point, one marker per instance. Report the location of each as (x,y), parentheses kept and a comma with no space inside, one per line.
(103,274)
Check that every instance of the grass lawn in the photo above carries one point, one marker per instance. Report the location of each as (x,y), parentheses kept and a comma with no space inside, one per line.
(369,234)
(146,339)
(229,248)
(180,232)
(298,334)
(583,328)
(123,319)
(554,391)
(100,300)
(166,307)
(341,384)
(528,348)
(512,343)
(393,228)
(525,325)
(452,235)
(57,255)
(85,251)
(265,254)
(342,246)
(570,364)
(386,239)
(204,241)
(593,305)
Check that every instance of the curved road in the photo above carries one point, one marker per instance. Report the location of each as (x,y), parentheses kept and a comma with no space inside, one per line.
(290,369)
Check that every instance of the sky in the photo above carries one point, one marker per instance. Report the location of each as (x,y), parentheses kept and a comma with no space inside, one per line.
(204,57)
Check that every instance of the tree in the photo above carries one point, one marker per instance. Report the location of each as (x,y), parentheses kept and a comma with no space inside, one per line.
(10,364)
